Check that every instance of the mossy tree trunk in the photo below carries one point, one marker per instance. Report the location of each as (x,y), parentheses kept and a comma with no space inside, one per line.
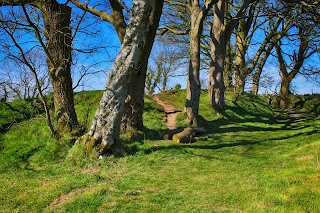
(105,129)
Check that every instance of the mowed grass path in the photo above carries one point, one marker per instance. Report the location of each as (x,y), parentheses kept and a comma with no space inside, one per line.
(255,160)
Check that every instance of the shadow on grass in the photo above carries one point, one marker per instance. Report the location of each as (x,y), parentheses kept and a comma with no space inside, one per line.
(207,146)
(26,110)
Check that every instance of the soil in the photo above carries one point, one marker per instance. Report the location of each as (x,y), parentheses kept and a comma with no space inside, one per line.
(171,112)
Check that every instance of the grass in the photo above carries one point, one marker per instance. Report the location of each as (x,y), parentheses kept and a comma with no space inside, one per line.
(252,162)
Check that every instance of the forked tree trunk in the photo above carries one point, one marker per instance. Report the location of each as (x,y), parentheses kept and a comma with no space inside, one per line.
(105,129)
(134,104)
(57,19)
(193,86)
(216,86)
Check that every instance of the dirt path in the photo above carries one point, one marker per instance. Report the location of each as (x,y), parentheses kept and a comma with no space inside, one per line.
(171,112)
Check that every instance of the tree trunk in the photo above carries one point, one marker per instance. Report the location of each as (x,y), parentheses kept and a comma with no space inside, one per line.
(241,49)
(131,60)
(187,135)
(193,86)
(134,104)
(216,86)
(228,76)
(58,47)
(257,74)
(228,67)
(284,92)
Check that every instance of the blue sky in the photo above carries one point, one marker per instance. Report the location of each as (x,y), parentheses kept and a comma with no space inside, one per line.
(106,37)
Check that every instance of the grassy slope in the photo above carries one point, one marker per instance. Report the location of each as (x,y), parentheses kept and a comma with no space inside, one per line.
(252,162)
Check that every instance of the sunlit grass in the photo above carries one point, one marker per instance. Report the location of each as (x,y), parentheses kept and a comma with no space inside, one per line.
(251,162)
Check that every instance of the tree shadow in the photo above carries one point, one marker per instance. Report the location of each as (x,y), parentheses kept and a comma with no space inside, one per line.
(185,148)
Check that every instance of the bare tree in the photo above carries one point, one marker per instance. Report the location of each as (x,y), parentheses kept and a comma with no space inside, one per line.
(25,60)
(290,68)
(167,61)
(57,46)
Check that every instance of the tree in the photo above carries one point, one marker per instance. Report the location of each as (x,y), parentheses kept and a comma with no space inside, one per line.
(132,117)
(197,16)
(105,129)
(57,46)
(289,70)
(220,34)
(166,60)
(24,59)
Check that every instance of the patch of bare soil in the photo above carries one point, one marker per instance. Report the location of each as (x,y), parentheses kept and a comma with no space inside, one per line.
(171,112)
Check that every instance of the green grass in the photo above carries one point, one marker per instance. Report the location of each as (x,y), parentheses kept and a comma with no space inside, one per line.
(252,162)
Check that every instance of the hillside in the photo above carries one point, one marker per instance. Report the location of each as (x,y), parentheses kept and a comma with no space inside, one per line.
(256,159)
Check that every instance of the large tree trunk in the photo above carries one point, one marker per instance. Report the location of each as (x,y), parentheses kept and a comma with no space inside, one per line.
(134,104)
(216,86)
(105,127)
(193,86)
(58,48)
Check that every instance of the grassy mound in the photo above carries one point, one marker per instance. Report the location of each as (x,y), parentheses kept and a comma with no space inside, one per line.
(253,161)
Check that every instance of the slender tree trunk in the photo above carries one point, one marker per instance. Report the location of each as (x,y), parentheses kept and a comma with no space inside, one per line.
(193,86)
(216,85)
(228,76)
(57,19)
(164,82)
(241,49)
(131,59)
(257,74)
(228,67)
(134,104)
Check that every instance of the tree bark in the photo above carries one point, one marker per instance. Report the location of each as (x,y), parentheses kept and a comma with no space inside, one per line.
(193,86)
(216,87)
(198,15)
(257,74)
(188,135)
(134,104)
(284,92)
(228,67)
(57,18)
(241,49)
(105,129)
